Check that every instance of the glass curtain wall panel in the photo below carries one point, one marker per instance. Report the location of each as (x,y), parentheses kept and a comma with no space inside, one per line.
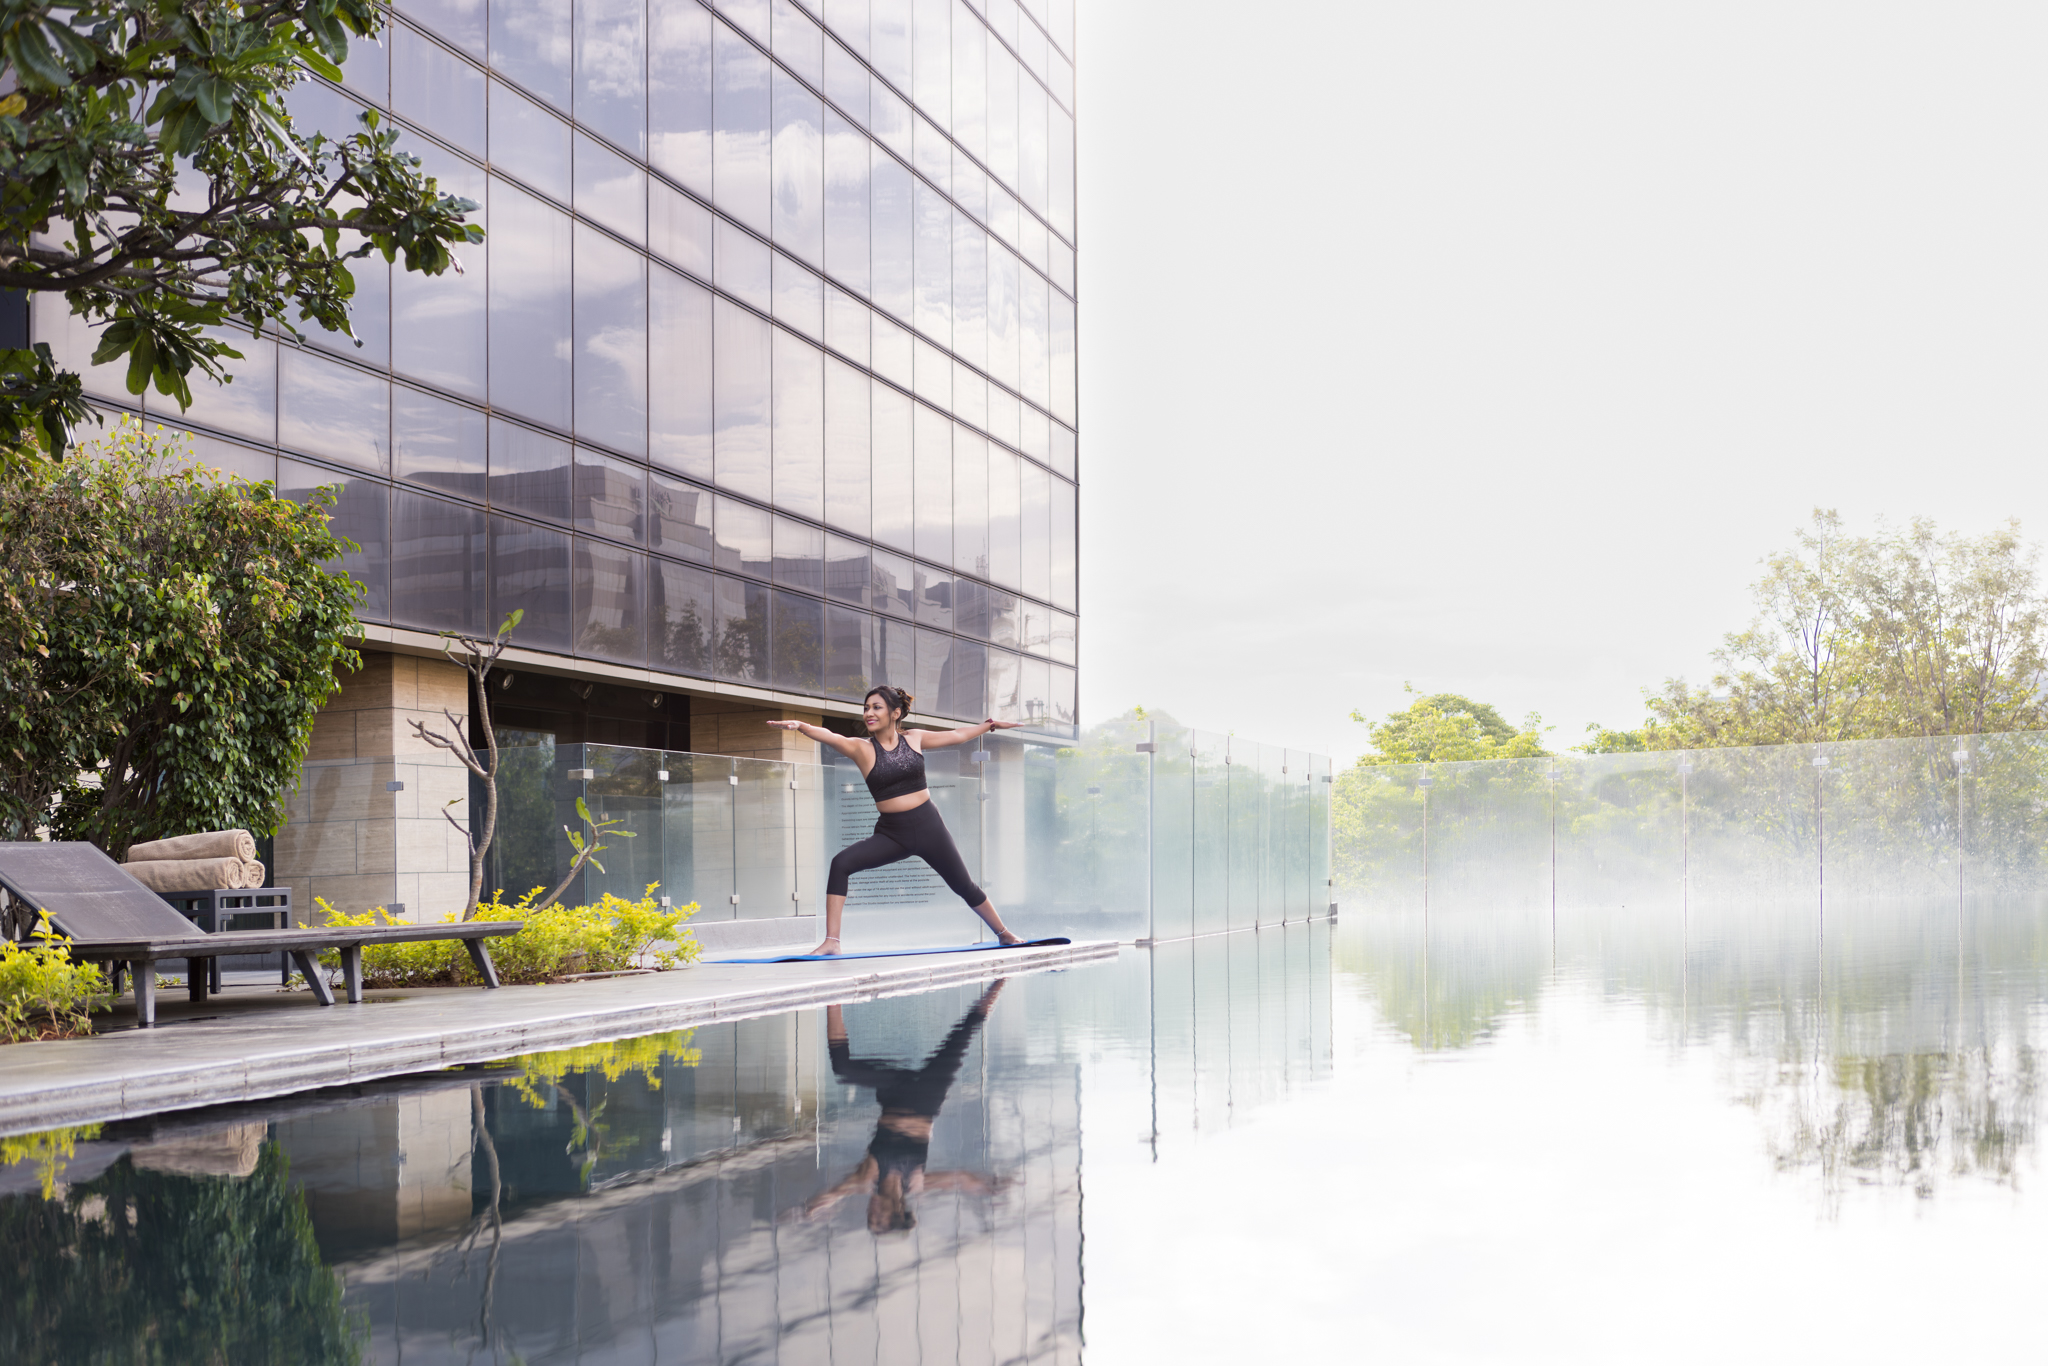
(1211,832)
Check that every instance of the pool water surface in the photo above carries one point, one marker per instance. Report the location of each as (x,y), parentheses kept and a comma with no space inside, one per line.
(1759,1133)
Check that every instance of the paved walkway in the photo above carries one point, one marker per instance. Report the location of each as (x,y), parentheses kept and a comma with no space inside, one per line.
(255,1041)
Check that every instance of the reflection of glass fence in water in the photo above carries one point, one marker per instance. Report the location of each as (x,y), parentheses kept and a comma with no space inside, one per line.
(1836,824)
(1142,829)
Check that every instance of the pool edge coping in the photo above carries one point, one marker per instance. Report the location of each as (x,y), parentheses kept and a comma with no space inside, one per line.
(148,1088)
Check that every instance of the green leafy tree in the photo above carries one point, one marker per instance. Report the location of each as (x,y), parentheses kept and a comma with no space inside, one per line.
(150,173)
(167,635)
(1905,632)
(1446,728)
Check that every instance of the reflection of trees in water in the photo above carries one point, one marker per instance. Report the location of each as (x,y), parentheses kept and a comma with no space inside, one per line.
(1889,1055)
(1448,982)
(152,1266)
(1906,1120)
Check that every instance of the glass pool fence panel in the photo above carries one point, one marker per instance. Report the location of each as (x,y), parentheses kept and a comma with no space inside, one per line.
(1040,821)
(527,849)
(1376,820)
(1211,832)
(2005,817)
(1489,837)
(809,856)
(1173,848)
(1103,800)
(1244,803)
(624,786)
(697,823)
(1320,785)
(1620,823)
(1003,869)
(764,825)
(344,821)
(1294,787)
(1888,817)
(1752,833)
(1272,835)
(956,791)
(1076,838)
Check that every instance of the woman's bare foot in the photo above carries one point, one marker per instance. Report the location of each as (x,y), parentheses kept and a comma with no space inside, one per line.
(1006,938)
(827,947)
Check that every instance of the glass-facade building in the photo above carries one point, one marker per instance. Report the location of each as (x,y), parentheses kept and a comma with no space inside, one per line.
(765,373)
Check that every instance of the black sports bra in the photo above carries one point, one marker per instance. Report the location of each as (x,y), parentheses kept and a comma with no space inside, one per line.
(897,772)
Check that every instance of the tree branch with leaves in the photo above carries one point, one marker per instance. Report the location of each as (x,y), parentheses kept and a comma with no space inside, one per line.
(587,848)
(150,172)
(479,657)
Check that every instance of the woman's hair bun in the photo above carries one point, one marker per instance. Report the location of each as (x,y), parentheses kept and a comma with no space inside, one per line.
(907,697)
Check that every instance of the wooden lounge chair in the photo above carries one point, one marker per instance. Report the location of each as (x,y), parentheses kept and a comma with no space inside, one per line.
(109,917)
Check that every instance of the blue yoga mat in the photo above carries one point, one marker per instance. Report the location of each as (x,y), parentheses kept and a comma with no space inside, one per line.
(890,953)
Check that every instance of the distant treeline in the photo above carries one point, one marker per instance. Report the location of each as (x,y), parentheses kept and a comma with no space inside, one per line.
(1904,632)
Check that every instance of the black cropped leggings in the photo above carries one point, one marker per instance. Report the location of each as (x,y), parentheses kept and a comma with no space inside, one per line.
(898,835)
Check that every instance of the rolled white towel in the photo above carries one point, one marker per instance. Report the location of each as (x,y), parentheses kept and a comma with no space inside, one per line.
(193,875)
(208,844)
(253,873)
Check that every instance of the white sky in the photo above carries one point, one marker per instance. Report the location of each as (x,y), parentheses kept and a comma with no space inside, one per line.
(1491,345)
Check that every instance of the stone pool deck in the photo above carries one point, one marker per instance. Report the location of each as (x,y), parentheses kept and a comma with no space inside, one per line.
(255,1040)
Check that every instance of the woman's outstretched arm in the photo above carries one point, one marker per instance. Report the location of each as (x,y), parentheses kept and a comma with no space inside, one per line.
(940,739)
(845,744)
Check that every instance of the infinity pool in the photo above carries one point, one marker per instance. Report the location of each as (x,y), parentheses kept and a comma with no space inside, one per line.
(1744,1135)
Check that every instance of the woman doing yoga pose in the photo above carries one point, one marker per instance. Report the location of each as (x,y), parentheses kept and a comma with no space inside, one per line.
(892,761)
(894,1168)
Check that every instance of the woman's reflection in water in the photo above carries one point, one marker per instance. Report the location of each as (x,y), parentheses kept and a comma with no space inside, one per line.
(893,1170)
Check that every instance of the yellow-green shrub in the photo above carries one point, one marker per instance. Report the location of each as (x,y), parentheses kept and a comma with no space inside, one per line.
(613,935)
(44,991)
